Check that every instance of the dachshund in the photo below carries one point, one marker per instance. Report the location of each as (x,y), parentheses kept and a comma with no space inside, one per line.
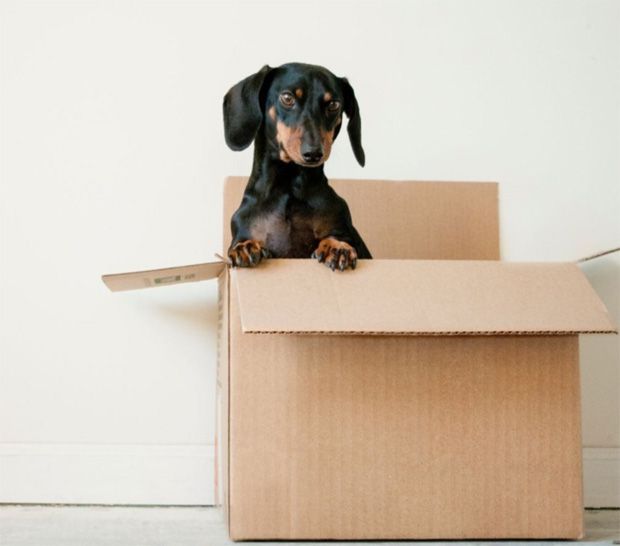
(293,114)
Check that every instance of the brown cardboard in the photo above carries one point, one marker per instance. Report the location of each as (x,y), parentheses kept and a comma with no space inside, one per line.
(222,398)
(420,297)
(118,282)
(431,435)
(395,437)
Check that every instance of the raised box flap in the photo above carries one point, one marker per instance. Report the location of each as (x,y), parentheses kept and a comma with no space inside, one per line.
(419,297)
(163,277)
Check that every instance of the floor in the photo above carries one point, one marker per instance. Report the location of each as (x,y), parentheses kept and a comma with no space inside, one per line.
(134,526)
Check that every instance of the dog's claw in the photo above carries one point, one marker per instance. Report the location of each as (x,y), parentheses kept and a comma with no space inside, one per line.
(247,253)
(335,254)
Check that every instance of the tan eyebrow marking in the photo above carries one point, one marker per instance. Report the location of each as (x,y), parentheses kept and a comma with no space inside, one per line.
(327,96)
(299,92)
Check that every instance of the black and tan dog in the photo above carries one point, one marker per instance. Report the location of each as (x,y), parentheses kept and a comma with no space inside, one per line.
(293,114)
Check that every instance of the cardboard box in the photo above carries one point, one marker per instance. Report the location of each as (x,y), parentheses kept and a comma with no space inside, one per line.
(432,393)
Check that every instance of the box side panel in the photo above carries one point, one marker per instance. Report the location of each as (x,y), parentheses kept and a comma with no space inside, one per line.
(222,425)
(445,220)
(419,438)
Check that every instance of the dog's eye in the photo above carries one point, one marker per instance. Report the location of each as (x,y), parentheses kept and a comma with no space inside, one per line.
(333,106)
(287,99)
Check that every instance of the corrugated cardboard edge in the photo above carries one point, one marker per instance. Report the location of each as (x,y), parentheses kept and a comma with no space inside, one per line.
(227,455)
(222,436)
(217,493)
(435,334)
(578,397)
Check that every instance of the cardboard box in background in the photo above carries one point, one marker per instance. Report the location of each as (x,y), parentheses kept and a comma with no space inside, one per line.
(432,393)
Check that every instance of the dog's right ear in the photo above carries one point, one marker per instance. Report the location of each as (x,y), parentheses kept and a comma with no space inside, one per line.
(243,111)
(354,126)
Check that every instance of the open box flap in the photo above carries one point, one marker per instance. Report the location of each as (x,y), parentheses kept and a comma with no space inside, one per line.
(163,277)
(419,297)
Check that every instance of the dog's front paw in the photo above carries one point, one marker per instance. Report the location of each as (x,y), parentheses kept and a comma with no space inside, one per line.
(247,253)
(336,254)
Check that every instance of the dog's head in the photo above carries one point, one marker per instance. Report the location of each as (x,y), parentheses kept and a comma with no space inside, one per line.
(300,107)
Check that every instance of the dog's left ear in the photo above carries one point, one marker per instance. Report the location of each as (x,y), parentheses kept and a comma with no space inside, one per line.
(354,127)
(243,111)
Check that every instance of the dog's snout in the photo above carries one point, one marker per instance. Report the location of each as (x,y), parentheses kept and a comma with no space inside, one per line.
(312,154)
(311,147)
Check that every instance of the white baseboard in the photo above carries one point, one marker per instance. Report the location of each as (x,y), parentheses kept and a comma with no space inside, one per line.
(601,476)
(178,474)
(106,474)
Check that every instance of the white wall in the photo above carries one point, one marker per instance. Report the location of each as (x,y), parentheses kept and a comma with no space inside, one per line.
(113,159)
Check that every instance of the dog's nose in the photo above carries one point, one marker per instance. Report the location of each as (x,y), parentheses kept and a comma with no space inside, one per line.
(312,155)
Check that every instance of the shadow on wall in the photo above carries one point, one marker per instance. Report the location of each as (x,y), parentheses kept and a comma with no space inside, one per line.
(189,307)
(200,315)
(604,274)
(600,360)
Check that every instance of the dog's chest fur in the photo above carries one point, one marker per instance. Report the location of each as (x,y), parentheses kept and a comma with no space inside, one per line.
(288,227)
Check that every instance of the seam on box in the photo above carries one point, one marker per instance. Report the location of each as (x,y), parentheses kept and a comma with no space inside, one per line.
(433,334)
(227,477)
(226,272)
(576,344)
(218,387)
